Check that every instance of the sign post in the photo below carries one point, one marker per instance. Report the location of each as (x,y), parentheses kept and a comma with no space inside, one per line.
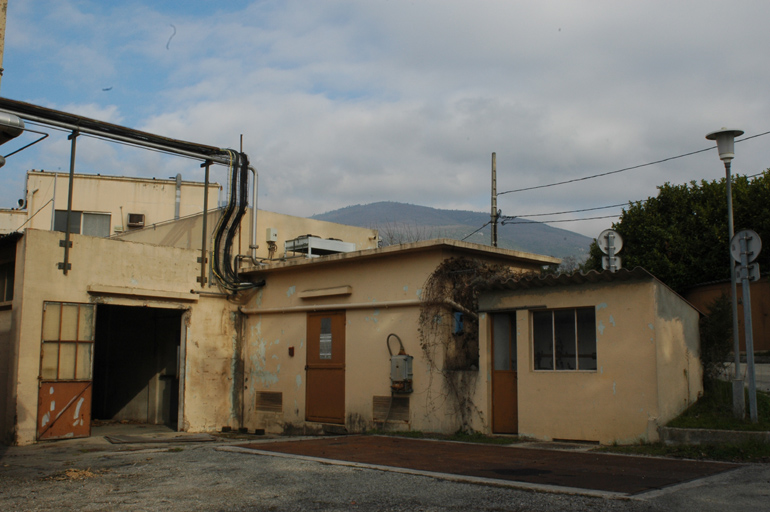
(744,248)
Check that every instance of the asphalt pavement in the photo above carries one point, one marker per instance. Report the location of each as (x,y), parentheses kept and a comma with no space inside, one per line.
(163,470)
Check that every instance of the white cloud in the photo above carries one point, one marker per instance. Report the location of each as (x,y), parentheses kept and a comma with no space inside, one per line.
(346,102)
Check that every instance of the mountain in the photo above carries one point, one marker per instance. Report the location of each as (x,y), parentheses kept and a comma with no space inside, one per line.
(400,222)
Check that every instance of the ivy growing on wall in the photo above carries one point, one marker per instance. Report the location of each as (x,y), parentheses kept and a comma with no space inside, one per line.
(449,331)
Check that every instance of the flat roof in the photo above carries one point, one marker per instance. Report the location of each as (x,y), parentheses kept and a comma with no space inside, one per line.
(395,250)
(111,177)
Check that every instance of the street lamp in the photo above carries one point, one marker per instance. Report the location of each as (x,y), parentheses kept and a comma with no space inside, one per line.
(725,139)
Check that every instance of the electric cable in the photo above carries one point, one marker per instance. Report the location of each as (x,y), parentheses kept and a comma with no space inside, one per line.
(562,220)
(482,227)
(504,217)
(627,168)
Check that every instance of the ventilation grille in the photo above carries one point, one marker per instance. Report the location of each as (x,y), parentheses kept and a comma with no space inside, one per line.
(399,411)
(269,401)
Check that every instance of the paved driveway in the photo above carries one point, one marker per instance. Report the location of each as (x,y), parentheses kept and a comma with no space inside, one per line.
(616,474)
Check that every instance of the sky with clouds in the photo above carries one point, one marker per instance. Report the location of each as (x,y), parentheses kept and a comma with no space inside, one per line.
(351,102)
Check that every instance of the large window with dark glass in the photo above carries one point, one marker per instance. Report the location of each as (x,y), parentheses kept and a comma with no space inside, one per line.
(83,223)
(564,339)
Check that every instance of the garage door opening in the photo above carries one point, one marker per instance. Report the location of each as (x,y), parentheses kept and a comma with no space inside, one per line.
(136,365)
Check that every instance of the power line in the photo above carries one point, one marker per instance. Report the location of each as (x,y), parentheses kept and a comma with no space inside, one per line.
(506,217)
(626,168)
(564,220)
(482,227)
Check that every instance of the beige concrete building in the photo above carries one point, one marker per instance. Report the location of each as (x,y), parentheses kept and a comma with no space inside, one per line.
(104,205)
(336,334)
(606,357)
(316,342)
(127,333)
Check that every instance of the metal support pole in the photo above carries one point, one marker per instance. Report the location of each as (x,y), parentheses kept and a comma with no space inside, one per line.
(611,252)
(739,401)
(494,200)
(204,233)
(748,329)
(66,243)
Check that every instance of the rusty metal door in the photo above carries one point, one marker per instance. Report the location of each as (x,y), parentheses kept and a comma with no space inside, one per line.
(66,355)
(505,409)
(325,370)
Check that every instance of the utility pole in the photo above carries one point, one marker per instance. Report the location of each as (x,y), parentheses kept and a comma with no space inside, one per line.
(3,12)
(495,213)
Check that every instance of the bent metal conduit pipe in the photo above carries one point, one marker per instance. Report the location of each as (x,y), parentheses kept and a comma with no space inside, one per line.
(253,236)
(220,159)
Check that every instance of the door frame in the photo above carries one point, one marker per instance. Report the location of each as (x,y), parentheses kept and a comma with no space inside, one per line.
(504,423)
(313,411)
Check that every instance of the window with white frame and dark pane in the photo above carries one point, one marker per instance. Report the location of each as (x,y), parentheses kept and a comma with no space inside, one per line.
(564,339)
(83,223)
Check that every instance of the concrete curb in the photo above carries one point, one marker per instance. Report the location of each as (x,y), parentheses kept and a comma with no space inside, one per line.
(697,436)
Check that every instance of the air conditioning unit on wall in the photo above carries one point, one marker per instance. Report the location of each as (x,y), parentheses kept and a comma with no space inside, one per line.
(135,220)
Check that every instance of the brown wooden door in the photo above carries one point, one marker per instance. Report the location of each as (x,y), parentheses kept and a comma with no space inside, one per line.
(66,354)
(325,376)
(505,411)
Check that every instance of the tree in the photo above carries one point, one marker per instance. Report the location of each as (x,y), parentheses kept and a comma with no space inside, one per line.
(681,235)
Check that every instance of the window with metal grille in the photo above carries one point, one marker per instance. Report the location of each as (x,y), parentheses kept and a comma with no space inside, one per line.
(68,341)
(564,339)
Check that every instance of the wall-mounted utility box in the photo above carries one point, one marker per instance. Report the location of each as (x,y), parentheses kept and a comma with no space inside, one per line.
(401,373)
(271,235)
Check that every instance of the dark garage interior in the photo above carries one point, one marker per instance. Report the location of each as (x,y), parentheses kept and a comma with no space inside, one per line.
(136,364)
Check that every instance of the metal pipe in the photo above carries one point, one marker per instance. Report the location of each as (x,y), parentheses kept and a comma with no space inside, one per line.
(204,232)
(53,203)
(66,264)
(220,159)
(739,401)
(178,201)
(253,237)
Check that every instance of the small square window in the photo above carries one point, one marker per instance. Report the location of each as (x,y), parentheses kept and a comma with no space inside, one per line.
(564,339)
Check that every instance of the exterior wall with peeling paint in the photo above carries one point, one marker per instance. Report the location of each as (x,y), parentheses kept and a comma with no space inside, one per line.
(380,292)
(122,273)
(186,233)
(648,367)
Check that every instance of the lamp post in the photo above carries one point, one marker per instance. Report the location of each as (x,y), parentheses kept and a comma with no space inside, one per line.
(725,139)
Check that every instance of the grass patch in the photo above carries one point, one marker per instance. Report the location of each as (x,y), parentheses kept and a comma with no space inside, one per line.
(714,410)
(751,451)
(476,437)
